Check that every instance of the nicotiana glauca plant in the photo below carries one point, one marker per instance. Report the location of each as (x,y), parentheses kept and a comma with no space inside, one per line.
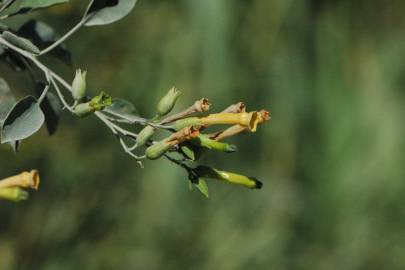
(188,131)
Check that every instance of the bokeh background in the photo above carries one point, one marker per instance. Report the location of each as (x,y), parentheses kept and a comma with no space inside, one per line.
(331,159)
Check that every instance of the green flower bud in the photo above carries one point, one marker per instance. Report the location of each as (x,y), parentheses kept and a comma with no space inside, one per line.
(167,103)
(233,178)
(83,109)
(157,150)
(186,122)
(79,85)
(97,103)
(14,194)
(204,141)
(145,134)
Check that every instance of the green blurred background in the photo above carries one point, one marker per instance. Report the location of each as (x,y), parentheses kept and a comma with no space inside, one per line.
(331,72)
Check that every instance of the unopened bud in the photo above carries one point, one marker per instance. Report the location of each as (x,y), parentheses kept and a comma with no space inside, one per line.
(204,141)
(145,134)
(233,178)
(157,150)
(167,103)
(97,103)
(79,85)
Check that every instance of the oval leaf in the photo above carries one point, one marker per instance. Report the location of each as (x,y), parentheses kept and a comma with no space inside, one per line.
(33,4)
(24,119)
(102,12)
(122,106)
(20,42)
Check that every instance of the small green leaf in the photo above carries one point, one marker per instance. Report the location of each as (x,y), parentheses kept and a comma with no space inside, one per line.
(34,4)
(188,152)
(20,42)
(202,187)
(24,119)
(102,12)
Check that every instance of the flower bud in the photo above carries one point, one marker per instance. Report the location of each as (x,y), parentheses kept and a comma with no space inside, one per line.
(204,141)
(145,134)
(14,194)
(83,109)
(97,103)
(167,103)
(25,180)
(186,122)
(233,178)
(79,85)
(157,150)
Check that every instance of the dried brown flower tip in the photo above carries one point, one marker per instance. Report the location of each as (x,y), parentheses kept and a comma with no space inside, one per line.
(235,108)
(264,116)
(202,105)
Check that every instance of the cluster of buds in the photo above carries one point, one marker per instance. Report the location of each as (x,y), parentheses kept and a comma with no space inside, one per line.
(189,138)
(12,188)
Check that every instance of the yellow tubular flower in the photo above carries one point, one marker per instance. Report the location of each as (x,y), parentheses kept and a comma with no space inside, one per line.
(263,116)
(245,119)
(25,180)
(248,120)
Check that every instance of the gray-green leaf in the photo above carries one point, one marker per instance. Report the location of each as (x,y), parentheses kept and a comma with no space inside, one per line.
(20,42)
(33,4)
(102,12)
(122,106)
(24,119)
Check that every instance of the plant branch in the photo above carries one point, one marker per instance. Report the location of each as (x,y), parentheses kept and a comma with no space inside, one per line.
(63,38)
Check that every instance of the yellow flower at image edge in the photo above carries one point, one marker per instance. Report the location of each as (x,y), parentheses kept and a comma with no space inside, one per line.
(11,188)
(24,180)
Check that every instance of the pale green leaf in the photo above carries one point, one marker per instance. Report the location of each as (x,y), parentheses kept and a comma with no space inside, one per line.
(24,119)
(102,12)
